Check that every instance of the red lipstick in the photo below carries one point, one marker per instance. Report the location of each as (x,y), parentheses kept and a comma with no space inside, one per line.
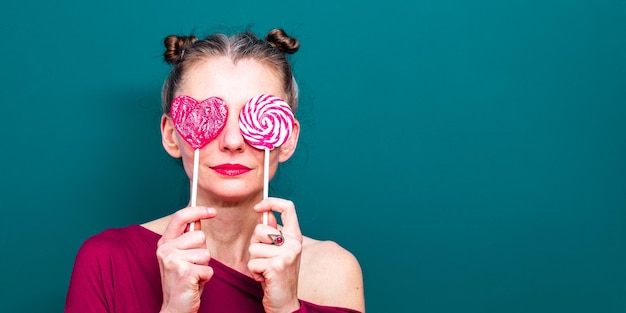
(230,169)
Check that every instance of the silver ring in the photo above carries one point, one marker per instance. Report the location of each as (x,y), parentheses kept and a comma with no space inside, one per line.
(277,240)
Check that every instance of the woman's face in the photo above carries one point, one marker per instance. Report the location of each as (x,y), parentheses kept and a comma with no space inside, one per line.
(229,170)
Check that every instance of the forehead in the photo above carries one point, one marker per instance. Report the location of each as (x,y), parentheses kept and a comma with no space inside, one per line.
(235,82)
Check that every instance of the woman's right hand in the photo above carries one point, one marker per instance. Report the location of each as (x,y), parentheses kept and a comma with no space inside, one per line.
(184,261)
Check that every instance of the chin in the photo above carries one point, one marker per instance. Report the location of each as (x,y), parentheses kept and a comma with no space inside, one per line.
(229,193)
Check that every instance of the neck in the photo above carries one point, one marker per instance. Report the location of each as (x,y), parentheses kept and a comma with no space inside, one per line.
(229,232)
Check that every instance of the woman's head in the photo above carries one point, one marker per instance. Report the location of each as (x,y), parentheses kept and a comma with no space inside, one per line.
(185,52)
(234,69)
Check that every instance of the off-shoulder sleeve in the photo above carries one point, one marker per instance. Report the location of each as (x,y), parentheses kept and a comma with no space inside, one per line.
(116,271)
(87,292)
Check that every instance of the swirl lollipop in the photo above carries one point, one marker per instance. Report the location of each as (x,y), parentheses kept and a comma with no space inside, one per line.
(198,123)
(266,122)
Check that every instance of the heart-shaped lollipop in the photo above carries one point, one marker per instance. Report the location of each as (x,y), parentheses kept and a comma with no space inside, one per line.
(198,122)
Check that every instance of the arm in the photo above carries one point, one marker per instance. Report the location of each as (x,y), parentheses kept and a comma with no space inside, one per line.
(87,291)
(330,276)
(184,261)
(276,267)
(318,272)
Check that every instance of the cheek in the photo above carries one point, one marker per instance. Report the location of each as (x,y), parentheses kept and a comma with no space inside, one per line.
(186,153)
(274,156)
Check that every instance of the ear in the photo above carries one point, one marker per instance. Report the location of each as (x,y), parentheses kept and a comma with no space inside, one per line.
(289,147)
(169,138)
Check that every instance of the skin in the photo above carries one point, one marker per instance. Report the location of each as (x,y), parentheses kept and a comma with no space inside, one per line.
(230,208)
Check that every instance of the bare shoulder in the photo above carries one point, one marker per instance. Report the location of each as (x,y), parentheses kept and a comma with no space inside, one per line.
(330,275)
(158,226)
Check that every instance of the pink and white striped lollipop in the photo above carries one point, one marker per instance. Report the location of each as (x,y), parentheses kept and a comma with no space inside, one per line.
(266,122)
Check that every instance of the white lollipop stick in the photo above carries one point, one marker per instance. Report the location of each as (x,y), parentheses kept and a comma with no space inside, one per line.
(194,184)
(266,122)
(198,122)
(266,181)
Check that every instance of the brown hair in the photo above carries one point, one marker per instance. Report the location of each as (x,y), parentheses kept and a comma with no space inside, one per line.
(183,52)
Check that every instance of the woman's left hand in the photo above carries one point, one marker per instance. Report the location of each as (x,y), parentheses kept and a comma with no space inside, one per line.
(277,266)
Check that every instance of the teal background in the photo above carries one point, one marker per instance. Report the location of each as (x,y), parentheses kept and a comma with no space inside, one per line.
(471,154)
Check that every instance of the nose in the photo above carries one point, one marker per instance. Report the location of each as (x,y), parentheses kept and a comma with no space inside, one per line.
(230,137)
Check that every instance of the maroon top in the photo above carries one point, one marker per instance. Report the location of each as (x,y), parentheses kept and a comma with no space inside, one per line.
(118,271)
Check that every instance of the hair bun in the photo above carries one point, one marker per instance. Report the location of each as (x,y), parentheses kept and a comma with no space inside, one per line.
(175,47)
(277,38)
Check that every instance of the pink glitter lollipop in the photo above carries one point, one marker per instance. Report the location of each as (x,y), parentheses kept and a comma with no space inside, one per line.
(198,123)
(266,122)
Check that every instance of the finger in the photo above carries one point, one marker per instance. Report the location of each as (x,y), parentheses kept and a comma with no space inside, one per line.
(268,235)
(182,217)
(287,212)
(262,234)
(262,245)
(195,273)
(263,250)
(257,268)
(269,268)
(182,258)
(271,219)
(196,256)
(204,273)
(174,251)
(196,226)
(190,240)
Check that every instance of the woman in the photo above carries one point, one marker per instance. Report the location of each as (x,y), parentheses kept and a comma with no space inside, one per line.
(233,263)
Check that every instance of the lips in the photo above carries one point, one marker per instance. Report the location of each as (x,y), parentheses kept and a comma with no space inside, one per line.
(231,169)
